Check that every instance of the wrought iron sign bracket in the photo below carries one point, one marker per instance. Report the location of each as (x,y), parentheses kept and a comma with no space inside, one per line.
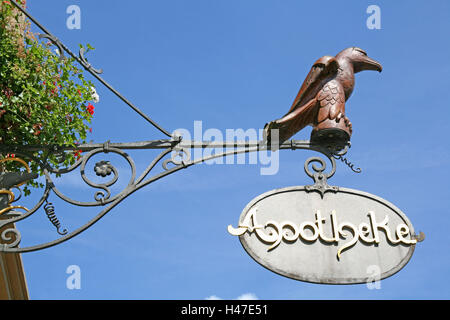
(173,145)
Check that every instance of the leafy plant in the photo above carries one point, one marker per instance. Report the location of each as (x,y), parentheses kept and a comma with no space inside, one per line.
(44,99)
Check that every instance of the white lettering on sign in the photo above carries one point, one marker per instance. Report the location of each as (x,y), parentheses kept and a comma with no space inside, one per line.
(310,231)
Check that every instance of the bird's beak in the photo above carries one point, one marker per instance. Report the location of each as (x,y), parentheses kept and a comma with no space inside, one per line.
(370,64)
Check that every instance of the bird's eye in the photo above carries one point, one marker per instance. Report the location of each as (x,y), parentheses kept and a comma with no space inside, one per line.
(361,51)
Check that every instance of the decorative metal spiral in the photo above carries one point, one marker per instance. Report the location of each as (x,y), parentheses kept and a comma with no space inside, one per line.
(86,64)
(348,163)
(319,171)
(10,234)
(183,155)
(56,42)
(320,178)
(50,211)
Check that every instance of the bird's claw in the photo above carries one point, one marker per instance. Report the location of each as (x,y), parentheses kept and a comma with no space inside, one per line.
(347,122)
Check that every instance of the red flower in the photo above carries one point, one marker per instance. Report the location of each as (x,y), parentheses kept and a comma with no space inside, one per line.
(77,154)
(90,108)
(8,92)
(37,128)
(90,130)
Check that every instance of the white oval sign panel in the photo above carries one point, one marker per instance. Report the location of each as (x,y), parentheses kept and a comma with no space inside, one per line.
(346,237)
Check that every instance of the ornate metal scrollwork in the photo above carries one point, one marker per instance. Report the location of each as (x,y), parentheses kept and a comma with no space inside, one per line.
(86,64)
(56,42)
(348,163)
(102,168)
(179,157)
(175,155)
(11,238)
(341,156)
(50,211)
(320,178)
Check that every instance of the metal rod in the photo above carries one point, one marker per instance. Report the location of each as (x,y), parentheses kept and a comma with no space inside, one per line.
(162,144)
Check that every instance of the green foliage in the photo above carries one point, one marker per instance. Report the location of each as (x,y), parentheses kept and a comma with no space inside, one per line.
(44,100)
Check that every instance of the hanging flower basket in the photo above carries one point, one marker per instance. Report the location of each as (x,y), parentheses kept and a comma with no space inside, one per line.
(44,97)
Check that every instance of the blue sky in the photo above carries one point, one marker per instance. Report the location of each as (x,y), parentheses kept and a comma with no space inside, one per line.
(239,64)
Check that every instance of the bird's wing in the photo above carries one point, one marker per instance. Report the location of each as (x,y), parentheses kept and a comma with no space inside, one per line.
(323,68)
(332,101)
(302,112)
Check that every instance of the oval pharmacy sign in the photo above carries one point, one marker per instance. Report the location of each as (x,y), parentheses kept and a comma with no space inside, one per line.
(334,240)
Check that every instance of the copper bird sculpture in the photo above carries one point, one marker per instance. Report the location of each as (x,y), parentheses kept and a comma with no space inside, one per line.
(321,100)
